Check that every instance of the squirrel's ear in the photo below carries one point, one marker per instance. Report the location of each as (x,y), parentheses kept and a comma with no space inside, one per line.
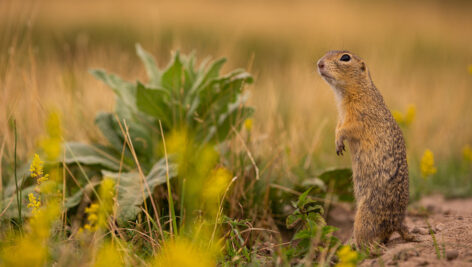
(362,66)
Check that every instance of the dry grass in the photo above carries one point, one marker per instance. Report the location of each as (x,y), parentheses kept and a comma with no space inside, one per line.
(418,54)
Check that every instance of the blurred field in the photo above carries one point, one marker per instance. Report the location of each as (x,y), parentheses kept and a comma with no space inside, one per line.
(418,52)
(420,57)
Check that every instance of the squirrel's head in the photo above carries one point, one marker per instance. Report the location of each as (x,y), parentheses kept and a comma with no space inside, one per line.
(343,70)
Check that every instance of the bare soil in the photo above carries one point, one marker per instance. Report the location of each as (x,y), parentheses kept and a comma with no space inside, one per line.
(449,245)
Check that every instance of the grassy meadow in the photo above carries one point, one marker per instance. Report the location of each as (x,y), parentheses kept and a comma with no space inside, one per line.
(419,54)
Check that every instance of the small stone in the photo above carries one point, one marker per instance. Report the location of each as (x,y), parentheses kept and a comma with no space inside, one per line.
(430,208)
(423,263)
(460,218)
(439,227)
(415,230)
(447,212)
(423,231)
(405,254)
(451,254)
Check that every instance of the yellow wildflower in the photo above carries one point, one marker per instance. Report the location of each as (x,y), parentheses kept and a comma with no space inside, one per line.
(183,253)
(52,143)
(427,164)
(407,118)
(248,124)
(398,116)
(33,202)
(347,257)
(92,217)
(467,153)
(410,115)
(98,214)
(217,183)
(109,255)
(31,249)
(36,169)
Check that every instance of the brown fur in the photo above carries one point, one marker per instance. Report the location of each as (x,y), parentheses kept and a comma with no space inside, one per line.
(378,152)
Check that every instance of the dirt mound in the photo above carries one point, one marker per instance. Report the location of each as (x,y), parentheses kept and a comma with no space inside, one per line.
(449,244)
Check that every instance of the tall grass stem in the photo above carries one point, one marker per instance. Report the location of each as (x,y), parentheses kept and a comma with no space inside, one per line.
(173,224)
(18,189)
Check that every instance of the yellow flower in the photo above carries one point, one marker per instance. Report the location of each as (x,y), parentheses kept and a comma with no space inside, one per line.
(31,249)
(248,124)
(36,167)
(33,203)
(92,209)
(398,116)
(467,153)
(97,215)
(427,164)
(217,183)
(347,257)
(183,253)
(92,217)
(410,115)
(109,255)
(52,143)
(470,69)
(407,118)
(53,125)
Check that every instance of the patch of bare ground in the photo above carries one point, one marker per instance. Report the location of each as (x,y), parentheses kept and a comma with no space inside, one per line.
(442,227)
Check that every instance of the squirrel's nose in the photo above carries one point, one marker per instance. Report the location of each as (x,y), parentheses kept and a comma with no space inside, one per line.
(321,65)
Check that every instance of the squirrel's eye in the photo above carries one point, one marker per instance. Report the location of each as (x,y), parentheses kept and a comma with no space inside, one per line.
(345,57)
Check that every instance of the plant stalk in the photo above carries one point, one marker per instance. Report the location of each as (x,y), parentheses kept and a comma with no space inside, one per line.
(18,190)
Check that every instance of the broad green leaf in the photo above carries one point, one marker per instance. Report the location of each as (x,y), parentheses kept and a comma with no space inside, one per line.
(75,199)
(154,102)
(23,173)
(172,76)
(209,74)
(132,190)
(123,89)
(90,155)
(9,202)
(107,125)
(189,72)
(151,67)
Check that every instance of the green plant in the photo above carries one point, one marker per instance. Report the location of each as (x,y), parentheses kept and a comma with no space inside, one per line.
(180,97)
(313,235)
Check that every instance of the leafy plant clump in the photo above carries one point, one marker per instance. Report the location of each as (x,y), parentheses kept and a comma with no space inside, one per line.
(181,97)
(312,234)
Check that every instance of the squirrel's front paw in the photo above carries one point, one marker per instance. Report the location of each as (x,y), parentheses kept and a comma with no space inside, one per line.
(340,147)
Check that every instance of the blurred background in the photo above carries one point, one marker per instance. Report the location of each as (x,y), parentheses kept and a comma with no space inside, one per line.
(419,54)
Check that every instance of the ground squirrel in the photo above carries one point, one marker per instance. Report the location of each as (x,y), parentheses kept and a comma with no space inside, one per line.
(378,152)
